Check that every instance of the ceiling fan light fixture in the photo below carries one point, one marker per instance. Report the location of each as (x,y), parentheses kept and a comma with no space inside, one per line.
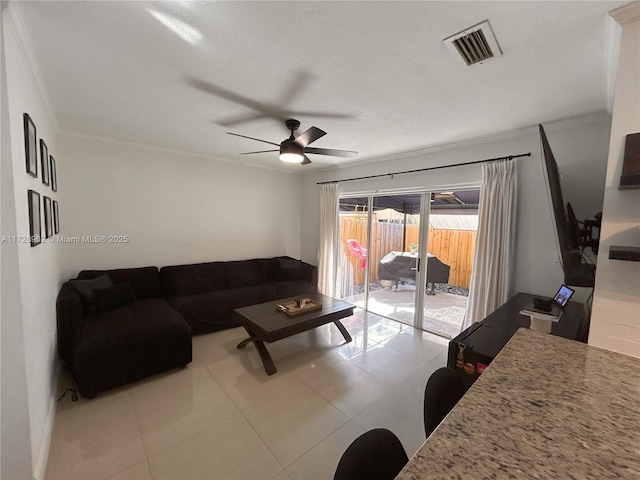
(294,149)
(291,157)
(291,152)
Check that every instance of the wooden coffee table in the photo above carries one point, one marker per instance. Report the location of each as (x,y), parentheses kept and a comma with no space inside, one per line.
(264,323)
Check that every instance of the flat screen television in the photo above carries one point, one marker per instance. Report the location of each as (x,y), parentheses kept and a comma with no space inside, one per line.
(577,272)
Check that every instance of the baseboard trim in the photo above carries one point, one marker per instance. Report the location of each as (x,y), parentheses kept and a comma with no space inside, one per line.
(42,458)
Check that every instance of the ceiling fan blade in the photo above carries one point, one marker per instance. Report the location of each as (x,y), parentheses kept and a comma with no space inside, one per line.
(226,94)
(303,113)
(251,138)
(306,160)
(232,121)
(267,110)
(295,88)
(259,151)
(277,115)
(332,152)
(310,136)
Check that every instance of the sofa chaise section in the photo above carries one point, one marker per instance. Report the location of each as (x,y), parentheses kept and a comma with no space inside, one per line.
(103,350)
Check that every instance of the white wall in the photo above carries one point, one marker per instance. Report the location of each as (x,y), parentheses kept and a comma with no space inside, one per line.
(174,208)
(15,443)
(580,147)
(615,323)
(37,270)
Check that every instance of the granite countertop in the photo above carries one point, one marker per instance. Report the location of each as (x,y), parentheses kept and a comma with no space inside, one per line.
(546,407)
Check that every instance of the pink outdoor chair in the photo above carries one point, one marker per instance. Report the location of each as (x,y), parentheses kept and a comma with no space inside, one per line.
(358,250)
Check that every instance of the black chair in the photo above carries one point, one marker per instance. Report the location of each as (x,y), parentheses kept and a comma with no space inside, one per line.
(374,455)
(444,389)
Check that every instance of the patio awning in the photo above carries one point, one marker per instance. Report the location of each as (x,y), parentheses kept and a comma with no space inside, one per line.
(459,200)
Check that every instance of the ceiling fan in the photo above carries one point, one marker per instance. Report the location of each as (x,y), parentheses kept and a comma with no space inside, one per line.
(294,149)
(276,110)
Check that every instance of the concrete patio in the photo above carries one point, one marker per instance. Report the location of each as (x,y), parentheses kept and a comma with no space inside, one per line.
(443,313)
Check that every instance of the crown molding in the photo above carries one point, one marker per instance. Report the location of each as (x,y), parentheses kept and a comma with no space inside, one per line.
(625,14)
(16,24)
(614,38)
(569,122)
(429,150)
(619,17)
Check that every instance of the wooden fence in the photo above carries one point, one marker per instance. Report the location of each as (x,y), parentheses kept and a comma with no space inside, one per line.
(453,247)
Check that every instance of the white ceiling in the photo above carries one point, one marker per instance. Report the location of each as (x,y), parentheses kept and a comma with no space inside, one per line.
(113,69)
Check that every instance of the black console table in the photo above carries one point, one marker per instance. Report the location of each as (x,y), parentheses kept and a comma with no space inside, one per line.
(475,348)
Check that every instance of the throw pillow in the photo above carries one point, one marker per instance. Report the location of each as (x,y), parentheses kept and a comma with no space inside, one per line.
(289,269)
(113,297)
(86,287)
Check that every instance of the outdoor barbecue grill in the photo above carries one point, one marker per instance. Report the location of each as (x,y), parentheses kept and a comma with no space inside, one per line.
(401,267)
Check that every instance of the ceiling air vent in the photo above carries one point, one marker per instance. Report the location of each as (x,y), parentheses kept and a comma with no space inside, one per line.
(475,44)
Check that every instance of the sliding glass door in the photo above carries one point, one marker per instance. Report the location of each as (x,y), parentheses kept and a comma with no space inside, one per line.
(450,247)
(408,256)
(380,260)
(352,265)
(393,270)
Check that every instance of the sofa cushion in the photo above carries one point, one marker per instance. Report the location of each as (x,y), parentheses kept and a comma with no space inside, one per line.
(243,273)
(138,324)
(145,280)
(186,285)
(178,280)
(289,270)
(207,305)
(247,279)
(286,289)
(86,288)
(107,299)
(129,343)
(267,268)
(242,297)
(211,311)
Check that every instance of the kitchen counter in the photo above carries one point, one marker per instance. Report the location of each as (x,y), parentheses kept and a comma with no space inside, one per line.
(546,407)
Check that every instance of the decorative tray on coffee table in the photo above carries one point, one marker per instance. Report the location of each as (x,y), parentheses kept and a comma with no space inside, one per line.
(291,309)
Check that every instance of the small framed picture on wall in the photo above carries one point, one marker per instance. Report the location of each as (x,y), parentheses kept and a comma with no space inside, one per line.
(34,217)
(48,217)
(44,162)
(56,218)
(30,146)
(54,175)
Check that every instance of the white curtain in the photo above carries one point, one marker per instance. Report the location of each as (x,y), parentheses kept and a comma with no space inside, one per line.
(329,250)
(493,264)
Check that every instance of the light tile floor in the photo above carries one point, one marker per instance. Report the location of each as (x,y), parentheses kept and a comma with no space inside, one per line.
(443,312)
(223,418)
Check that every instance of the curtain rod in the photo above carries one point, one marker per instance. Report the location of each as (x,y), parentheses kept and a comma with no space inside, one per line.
(510,157)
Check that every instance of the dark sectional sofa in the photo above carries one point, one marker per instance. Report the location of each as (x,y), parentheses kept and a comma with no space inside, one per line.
(206,294)
(151,333)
